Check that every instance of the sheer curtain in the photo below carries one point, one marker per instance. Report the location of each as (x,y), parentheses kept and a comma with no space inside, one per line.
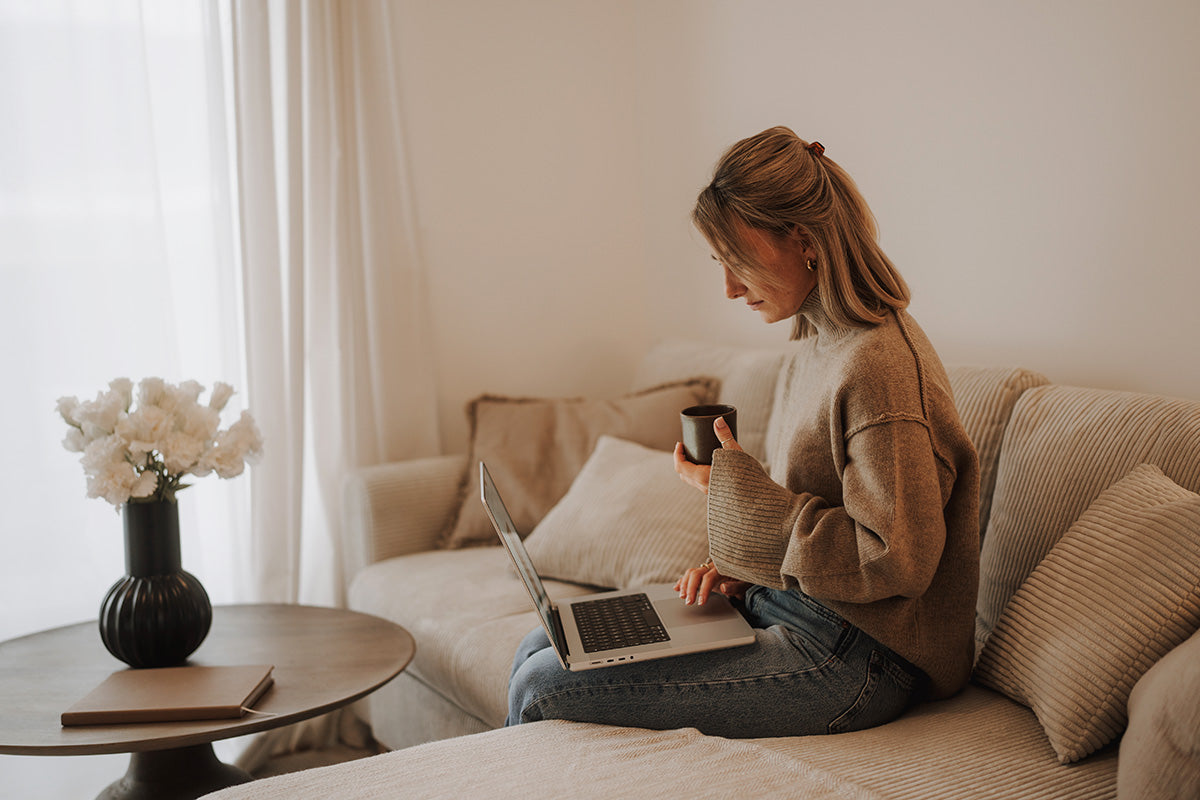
(115,260)
(336,326)
(217,191)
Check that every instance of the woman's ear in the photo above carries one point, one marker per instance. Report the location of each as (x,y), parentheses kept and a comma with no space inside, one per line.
(804,242)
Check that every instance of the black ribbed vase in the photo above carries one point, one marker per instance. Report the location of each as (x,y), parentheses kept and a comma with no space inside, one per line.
(157,615)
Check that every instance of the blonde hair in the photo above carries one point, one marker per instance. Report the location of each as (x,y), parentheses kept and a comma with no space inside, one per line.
(778,183)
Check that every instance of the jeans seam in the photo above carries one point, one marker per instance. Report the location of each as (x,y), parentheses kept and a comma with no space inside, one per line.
(865,695)
(679,685)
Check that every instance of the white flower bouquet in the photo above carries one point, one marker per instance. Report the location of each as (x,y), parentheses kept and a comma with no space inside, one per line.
(142,454)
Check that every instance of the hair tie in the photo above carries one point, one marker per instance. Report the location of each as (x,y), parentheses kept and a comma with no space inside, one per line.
(816,148)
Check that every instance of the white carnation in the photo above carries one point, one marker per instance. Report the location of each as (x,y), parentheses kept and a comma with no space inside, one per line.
(144,430)
(220,396)
(123,389)
(240,443)
(151,392)
(109,473)
(66,408)
(180,452)
(144,452)
(199,421)
(99,417)
(145,485)
(73,441)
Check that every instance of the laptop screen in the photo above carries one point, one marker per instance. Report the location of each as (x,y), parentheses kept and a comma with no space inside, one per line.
(511,538)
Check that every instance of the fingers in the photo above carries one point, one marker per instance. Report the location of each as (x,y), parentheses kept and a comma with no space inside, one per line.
(697,584)
(724,435)
(696,475)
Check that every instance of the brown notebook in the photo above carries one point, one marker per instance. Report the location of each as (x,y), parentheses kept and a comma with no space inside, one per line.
(171,694)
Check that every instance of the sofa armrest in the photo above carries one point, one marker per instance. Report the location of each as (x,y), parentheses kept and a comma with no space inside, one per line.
(398,508)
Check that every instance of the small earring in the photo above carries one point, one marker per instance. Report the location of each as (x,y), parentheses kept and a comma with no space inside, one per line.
(812,265)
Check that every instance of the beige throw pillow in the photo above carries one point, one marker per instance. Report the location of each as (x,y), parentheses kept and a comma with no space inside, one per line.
(627,520)
(534,448)
(1118,591)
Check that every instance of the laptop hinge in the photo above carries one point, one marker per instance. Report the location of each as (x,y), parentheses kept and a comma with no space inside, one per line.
(559,633)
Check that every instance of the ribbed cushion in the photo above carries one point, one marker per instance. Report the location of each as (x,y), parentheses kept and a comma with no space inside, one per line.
(984,397)
(748,376)
(1118,591)
(627,520)
(1063,446)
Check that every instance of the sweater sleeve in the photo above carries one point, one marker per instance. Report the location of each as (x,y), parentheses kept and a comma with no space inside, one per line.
(884,540)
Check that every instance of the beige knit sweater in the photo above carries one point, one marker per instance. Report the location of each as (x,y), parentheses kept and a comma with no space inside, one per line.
(871,505)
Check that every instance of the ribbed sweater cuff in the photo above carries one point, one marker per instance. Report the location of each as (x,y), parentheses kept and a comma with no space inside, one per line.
(748,519)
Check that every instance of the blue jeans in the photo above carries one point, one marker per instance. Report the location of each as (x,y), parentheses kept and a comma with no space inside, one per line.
(809,671)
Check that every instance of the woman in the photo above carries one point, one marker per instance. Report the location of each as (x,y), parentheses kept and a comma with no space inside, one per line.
(856,557)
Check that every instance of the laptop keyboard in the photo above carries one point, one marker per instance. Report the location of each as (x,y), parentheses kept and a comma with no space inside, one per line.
(625,621)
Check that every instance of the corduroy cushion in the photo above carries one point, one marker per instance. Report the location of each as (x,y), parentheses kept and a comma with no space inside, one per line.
(534,447)
(627,520)
(1063,446)
(1118,591)
(984,397)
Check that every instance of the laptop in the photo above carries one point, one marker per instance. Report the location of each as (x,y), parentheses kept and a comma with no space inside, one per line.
(618,627)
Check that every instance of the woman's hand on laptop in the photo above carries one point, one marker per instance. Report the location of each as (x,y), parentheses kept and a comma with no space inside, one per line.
(698,474)
(698,583)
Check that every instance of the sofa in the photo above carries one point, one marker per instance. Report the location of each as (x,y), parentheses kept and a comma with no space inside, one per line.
(1087,675)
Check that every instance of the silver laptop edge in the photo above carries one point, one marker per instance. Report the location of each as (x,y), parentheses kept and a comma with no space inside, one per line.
(498,513)
(716,625)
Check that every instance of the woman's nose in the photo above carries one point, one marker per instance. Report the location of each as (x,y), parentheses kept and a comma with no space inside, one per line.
(733,287)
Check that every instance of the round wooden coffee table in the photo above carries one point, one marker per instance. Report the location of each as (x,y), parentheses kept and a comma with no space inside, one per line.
(324,659)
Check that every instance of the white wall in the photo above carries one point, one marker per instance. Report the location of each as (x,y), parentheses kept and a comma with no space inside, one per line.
(1032,165)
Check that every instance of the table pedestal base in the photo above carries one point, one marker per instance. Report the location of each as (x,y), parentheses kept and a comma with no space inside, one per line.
(184,773)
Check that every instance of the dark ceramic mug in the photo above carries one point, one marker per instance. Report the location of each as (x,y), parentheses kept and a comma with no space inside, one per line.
(699,439)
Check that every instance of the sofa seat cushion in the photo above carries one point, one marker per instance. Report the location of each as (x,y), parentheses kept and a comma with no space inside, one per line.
(978,744)
(467,610)
(562,759)
(935,751)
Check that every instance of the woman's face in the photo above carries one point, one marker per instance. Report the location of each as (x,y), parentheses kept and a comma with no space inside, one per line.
(784,260)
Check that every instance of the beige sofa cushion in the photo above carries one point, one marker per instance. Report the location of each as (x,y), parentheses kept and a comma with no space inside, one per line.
(1160,753)
(564,759)
(534,447)
(1063,446)
(978,745)
(936,751)
(747,376)
(627,520)
(1118,591)
(984,397)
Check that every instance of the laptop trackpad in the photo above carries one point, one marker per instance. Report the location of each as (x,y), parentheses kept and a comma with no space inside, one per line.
(675,613)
